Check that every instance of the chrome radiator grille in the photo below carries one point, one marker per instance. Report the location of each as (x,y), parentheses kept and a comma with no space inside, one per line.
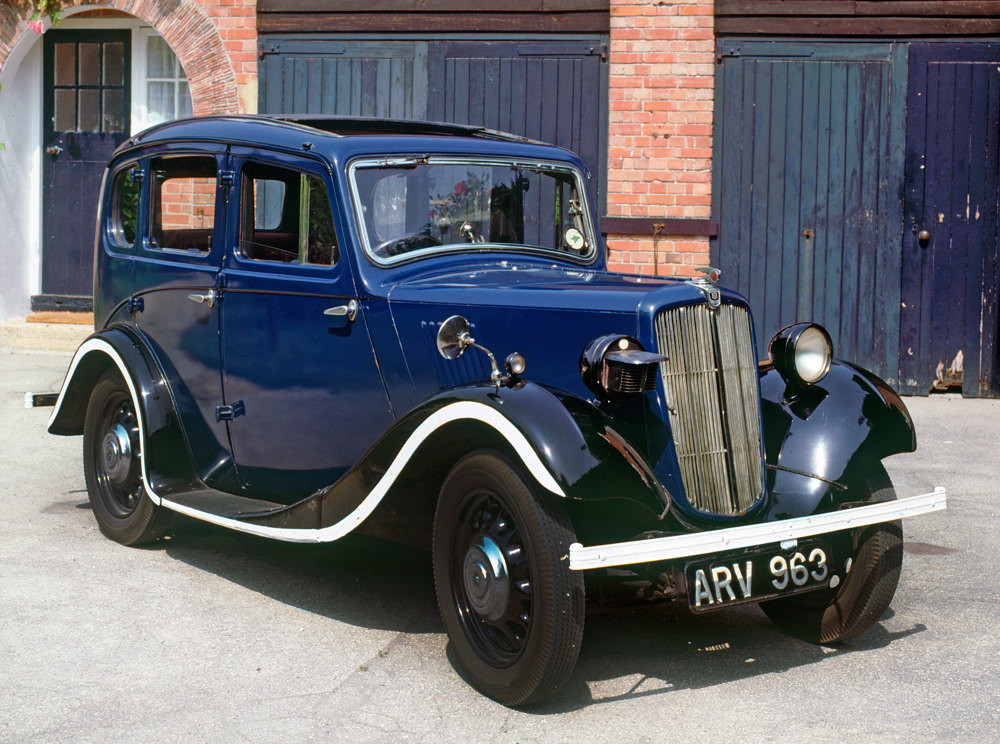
(710,380)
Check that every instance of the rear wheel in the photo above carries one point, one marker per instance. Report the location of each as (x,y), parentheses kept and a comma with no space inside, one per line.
(112,451)
(512,608)
(865,592)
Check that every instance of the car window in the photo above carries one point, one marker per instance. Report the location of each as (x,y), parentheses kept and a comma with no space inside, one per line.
(124,207)
(285,217)
(182,203)
(412,207)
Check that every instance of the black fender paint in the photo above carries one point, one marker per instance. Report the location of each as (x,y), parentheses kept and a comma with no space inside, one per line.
(166,452)
(822,440)
(572,438)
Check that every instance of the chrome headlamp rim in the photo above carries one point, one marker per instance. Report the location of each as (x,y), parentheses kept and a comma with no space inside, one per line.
(802,353)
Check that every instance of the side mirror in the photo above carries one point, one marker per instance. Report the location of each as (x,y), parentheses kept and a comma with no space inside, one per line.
(453,337)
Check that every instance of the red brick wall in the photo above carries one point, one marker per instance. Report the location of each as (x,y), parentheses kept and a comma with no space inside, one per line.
(660,129)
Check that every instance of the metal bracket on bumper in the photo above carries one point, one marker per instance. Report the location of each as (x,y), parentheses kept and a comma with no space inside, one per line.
(747,536)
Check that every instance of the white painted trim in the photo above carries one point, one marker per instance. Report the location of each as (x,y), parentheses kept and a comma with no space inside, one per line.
(748,536)
(449,413)
(102,346)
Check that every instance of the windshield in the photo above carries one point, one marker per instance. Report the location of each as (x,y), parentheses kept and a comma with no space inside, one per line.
(417,206)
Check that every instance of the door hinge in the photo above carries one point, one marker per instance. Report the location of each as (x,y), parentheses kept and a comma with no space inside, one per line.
(135,305)
(227,177)
(228,413)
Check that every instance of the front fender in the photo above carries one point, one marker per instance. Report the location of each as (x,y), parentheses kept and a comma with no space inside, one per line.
(821,440)
(563,443)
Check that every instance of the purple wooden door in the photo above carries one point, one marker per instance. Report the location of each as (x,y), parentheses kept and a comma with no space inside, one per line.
(949,322)
(86,116)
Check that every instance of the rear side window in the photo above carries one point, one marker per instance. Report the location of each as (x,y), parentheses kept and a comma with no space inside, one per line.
(182,203)
(124,207)
(285,217)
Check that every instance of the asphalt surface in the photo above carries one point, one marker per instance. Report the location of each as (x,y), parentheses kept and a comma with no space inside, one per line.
(214,636)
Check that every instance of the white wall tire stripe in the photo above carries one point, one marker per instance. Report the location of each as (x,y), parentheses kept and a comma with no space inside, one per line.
(462,410)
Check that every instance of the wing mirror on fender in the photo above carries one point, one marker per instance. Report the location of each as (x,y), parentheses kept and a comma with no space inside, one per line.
(454,337)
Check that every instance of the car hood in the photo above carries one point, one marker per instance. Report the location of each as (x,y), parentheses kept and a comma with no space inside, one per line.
(527,285)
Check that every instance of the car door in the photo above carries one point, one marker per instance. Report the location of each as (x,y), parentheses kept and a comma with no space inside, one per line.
(175,275)
(303,391)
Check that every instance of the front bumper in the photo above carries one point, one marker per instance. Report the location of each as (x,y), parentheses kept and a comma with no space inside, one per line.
(748,536)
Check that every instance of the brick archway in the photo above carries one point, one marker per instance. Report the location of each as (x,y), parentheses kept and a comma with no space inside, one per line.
(183,24)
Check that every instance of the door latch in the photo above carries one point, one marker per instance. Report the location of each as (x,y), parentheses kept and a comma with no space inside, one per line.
(228,413)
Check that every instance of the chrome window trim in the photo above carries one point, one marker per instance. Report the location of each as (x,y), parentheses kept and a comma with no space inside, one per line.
(395,161)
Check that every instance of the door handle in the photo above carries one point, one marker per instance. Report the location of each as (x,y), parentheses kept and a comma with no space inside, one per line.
(208,297)
(350,310)
(53,149)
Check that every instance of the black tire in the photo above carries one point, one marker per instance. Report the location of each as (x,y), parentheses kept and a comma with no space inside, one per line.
(516,630)
(866,591)
(112,449)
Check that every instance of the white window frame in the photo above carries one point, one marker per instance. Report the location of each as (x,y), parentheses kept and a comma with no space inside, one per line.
(141,116)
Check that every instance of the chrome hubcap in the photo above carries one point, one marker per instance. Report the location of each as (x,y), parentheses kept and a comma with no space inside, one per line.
(487,583)
(117,454)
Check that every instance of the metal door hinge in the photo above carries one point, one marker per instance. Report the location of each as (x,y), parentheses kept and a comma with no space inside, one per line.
(227,177)
(228,413)
(135,305)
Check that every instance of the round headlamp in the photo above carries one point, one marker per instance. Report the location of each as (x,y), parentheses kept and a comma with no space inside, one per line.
(802,353)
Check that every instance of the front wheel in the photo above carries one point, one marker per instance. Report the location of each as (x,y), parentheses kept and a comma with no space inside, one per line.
(830,616)
(512,608)
(112,452)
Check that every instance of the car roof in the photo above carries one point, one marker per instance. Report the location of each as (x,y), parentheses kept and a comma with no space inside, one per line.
(333,135)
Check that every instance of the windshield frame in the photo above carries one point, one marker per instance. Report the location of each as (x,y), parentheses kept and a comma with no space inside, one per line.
(396,161)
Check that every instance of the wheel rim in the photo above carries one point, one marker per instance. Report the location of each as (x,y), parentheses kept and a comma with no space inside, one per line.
(116,456)
(491,583)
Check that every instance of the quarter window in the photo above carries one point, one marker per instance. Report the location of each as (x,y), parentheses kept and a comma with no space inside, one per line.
(285,217)
(124,208)
(182,201)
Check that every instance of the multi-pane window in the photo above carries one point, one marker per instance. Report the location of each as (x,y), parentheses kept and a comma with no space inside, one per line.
(88,86)
(167,93)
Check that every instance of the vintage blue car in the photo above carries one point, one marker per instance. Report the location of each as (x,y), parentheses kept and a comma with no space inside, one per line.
(303,327)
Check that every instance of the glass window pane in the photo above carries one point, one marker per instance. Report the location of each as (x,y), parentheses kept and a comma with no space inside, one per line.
(268,204)
(114,63)
(90,64)
(65,114)
(183,100)
(126,201)
(159,102)
(159,59)
(114,111)
(65,64)
(90,110)
(322,242)
(183,203)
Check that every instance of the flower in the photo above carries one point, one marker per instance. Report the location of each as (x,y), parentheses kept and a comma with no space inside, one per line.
(461,187)
(37,26)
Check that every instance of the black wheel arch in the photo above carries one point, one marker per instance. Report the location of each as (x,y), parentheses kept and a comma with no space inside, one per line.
(166,451)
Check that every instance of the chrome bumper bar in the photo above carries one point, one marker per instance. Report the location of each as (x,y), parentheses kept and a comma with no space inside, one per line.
(748,536)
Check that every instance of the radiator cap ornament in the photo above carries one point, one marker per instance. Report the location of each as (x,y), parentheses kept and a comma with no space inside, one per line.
(709,285)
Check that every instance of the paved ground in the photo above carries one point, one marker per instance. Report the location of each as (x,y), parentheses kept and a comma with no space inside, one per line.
(214,636)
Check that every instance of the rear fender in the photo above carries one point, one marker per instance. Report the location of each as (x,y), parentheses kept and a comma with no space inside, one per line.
(822,440)
(164,449)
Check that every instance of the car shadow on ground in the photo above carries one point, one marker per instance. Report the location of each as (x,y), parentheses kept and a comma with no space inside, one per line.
(630,650)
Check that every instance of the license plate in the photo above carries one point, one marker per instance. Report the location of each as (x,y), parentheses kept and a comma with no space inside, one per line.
(751,578)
